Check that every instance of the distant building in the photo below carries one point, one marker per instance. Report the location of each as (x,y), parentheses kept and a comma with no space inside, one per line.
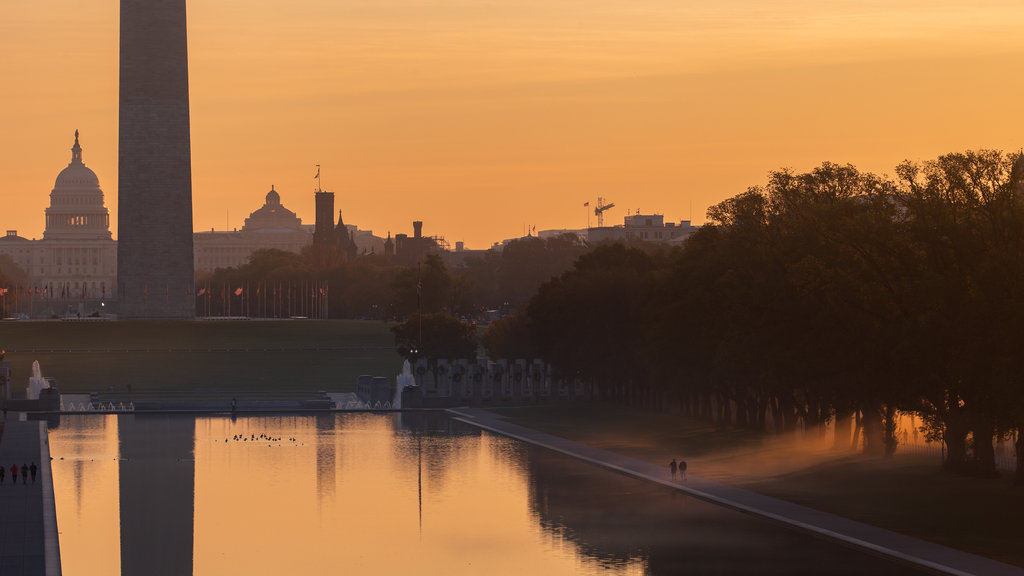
(272,226)
(76,261)
(329,234)
(324,231)
(365,242)
(411,249)
(643,227)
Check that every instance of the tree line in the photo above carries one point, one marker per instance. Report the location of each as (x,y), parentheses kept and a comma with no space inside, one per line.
(277,283)
(829,296)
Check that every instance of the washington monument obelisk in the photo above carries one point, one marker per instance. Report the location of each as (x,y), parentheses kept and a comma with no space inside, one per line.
(154,220)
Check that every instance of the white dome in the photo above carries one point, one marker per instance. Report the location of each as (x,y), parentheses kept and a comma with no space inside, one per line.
(76,208)
(77,175)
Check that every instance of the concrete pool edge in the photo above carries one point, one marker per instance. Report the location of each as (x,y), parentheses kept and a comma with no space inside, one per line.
(927,555)
(51,538)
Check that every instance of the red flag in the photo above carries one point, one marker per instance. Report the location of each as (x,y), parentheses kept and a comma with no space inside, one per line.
(238,291)
(201,292)
(585,204)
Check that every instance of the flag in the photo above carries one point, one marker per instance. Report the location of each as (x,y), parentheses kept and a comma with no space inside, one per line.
(201,292)
(238,291)
(317,171)
(585,204)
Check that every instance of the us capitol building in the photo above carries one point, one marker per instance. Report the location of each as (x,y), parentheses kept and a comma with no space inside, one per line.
(76,261)
(73,268)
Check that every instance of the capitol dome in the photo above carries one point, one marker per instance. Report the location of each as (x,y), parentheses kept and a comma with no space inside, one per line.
(77,174)
(76,203)
(272,216)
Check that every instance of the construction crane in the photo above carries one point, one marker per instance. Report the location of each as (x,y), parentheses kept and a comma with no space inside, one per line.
(599,210)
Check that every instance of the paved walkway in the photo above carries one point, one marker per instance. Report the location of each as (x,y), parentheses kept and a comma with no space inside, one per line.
(928,555)
(28,517)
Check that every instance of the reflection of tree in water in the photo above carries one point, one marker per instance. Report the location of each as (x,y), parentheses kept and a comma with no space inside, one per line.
(434,439)
(615,519)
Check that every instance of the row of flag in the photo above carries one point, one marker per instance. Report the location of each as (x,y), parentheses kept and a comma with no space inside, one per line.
(49,291)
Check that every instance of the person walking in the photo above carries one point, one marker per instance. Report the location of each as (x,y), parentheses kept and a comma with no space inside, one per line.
(3,472)
(24,473)
(14,473)
(682,468)
(672,466)
(32,468)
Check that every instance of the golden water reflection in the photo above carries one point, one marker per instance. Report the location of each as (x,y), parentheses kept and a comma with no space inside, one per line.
(297,494)
(86,490)
(386,494)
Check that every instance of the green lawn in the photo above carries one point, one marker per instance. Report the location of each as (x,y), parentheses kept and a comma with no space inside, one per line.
(906,494)
(273,355)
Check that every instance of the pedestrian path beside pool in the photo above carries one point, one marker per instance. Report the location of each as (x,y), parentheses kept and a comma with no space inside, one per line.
(934,557)
(28,516)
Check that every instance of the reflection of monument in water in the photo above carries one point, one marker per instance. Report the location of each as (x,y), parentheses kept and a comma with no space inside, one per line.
(326,425)
(156,477)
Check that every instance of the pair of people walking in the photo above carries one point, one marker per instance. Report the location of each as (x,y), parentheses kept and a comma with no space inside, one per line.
(679,467)
(25,470)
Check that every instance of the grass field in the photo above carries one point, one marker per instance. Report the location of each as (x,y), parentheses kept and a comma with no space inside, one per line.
(906,493)
(273,355)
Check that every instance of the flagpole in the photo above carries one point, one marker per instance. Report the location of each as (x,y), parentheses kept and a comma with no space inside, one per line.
(419,312)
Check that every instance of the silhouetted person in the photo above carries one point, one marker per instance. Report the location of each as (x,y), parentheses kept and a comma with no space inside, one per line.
(234,404)
(32,468)
(672,467)
(682,468)
(3,472)
(14,473)
(24,474)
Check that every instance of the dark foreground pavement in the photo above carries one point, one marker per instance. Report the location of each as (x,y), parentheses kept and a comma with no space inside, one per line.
(28,517)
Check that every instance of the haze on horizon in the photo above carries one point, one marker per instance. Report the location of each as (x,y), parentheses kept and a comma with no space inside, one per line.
(481,119)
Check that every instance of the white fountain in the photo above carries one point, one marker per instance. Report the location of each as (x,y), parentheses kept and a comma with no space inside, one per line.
(36,382)
(404,379)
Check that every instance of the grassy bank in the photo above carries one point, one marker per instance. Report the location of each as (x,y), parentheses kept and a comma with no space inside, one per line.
(906,494)
(278,355)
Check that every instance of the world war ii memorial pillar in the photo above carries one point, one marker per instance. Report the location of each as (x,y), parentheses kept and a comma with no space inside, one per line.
(154,249)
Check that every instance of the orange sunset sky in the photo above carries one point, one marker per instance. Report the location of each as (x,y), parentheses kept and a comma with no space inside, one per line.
(482,117)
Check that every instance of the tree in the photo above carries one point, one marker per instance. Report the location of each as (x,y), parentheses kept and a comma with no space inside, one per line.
(587,322)
(435,336)
(12,280)
(426,288)
(509,337)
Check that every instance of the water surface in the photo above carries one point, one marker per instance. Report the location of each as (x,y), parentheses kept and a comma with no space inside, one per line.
(384,494)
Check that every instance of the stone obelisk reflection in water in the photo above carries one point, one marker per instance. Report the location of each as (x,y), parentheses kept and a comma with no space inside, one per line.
(157,479)
(154,253)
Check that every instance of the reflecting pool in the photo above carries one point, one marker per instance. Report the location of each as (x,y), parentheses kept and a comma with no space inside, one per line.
(384,494)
